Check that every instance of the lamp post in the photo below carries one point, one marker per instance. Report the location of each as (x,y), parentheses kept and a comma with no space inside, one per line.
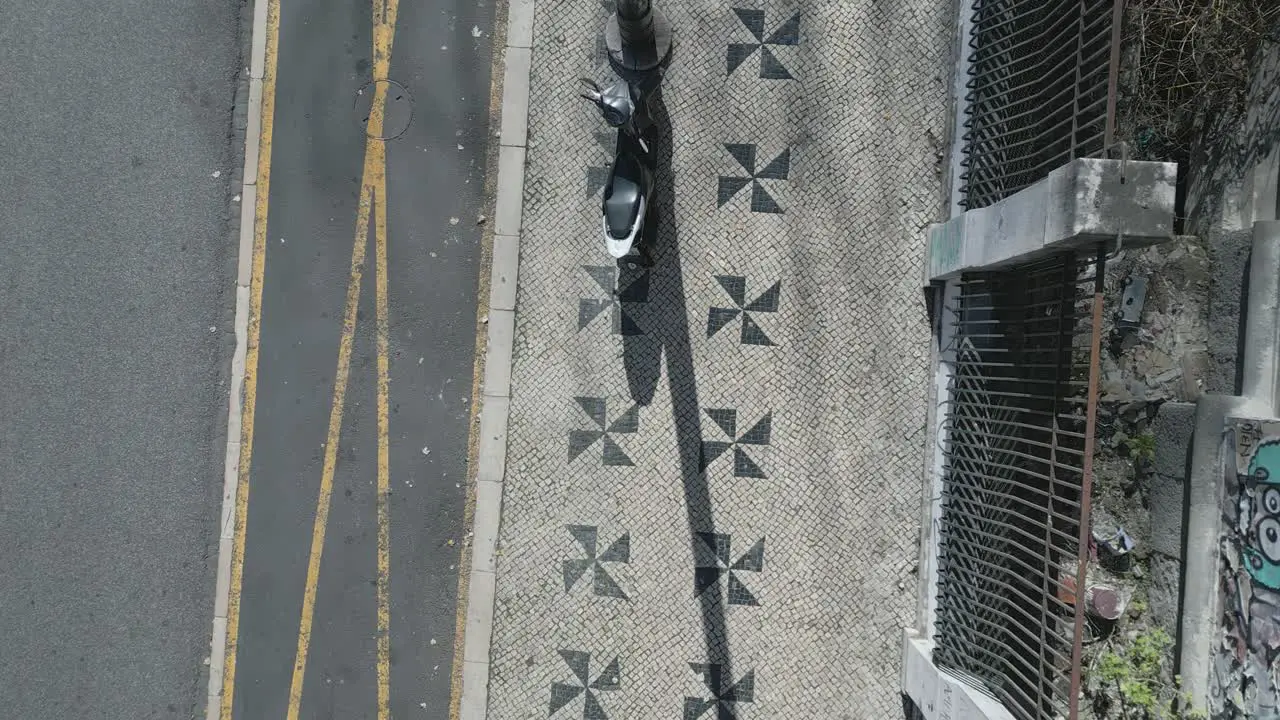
(637,36)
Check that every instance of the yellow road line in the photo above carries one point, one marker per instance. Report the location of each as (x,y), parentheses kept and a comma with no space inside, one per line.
(263,194)
(375,170)
(372,189)
(384,442)
(330,452)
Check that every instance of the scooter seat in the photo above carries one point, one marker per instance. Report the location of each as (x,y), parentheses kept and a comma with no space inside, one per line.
(622,195)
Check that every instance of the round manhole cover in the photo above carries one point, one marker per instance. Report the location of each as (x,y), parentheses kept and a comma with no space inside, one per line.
(397,110)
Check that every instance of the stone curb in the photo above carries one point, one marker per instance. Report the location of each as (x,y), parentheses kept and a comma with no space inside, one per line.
(254,47)
(496,388)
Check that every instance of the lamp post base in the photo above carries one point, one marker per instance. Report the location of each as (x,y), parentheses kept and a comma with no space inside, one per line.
(642,56)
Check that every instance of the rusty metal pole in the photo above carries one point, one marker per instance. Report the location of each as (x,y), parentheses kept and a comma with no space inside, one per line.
(1086,489)
(638,37)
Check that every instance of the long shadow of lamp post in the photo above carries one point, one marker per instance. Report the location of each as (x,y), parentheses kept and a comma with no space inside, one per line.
(638,38)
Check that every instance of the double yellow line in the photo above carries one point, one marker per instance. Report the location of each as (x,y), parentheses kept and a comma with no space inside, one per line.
(373,203)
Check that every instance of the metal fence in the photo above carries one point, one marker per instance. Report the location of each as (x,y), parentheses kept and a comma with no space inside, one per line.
(1017,476)
(1041,91)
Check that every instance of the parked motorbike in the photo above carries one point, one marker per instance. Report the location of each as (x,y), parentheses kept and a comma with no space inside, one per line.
(628,191)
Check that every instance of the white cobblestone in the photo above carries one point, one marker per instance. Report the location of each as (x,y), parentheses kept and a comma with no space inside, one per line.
(843,383)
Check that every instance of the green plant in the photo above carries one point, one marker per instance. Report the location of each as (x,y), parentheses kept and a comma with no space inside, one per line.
(1136,672)
(1143,447)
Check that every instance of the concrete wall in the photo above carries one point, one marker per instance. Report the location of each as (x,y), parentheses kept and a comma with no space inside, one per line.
(1243,677)
(1230,631)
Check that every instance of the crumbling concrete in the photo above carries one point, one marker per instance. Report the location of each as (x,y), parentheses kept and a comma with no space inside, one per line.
(1228,252)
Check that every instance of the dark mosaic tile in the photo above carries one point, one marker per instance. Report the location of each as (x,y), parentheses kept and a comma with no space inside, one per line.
(622,293)
(704,578)
(580,440)
(609,678)
(589,309)
(611,453)
(586,536)
(634,289)
(788,33)
(770,67)
(627,422)
(714,550)
(573,570)
(711,560)
(607,141)
(603,584)
(579,662)
(594,407)
(599,52)
(563,694)
(738,594)
(737,54)
(768,300)
(591,709)
(760,433)
(762,201)
(745,467)
(736,286)
(743,691)
(752,334)
(619,551)
(711,450)
(718,318)
(753,559)
(604,276)
(625,325)
(726,419)
(753,19)
(695,708)
(745,154)
(778,168)
(725,694)
(728,187)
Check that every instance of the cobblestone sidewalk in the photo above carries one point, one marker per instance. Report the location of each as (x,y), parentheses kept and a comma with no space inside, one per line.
(712,490)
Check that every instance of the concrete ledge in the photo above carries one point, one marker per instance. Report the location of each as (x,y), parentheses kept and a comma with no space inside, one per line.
(938,695)
(1200,600)
(1078,205)
(1260,364)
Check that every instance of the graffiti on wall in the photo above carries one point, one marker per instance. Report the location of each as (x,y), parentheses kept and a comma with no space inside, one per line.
(1245,680)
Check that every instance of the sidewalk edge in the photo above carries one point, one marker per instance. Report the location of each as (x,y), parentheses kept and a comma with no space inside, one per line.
(496,388)
(253,48)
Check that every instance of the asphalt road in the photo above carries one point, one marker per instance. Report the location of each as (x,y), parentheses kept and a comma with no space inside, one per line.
(435,181)
(117,272)
(117,276)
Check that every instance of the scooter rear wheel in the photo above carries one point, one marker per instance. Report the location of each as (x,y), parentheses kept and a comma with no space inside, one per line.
(642,259)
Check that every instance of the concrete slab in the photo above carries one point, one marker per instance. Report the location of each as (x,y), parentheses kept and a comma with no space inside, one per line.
(1077,206)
